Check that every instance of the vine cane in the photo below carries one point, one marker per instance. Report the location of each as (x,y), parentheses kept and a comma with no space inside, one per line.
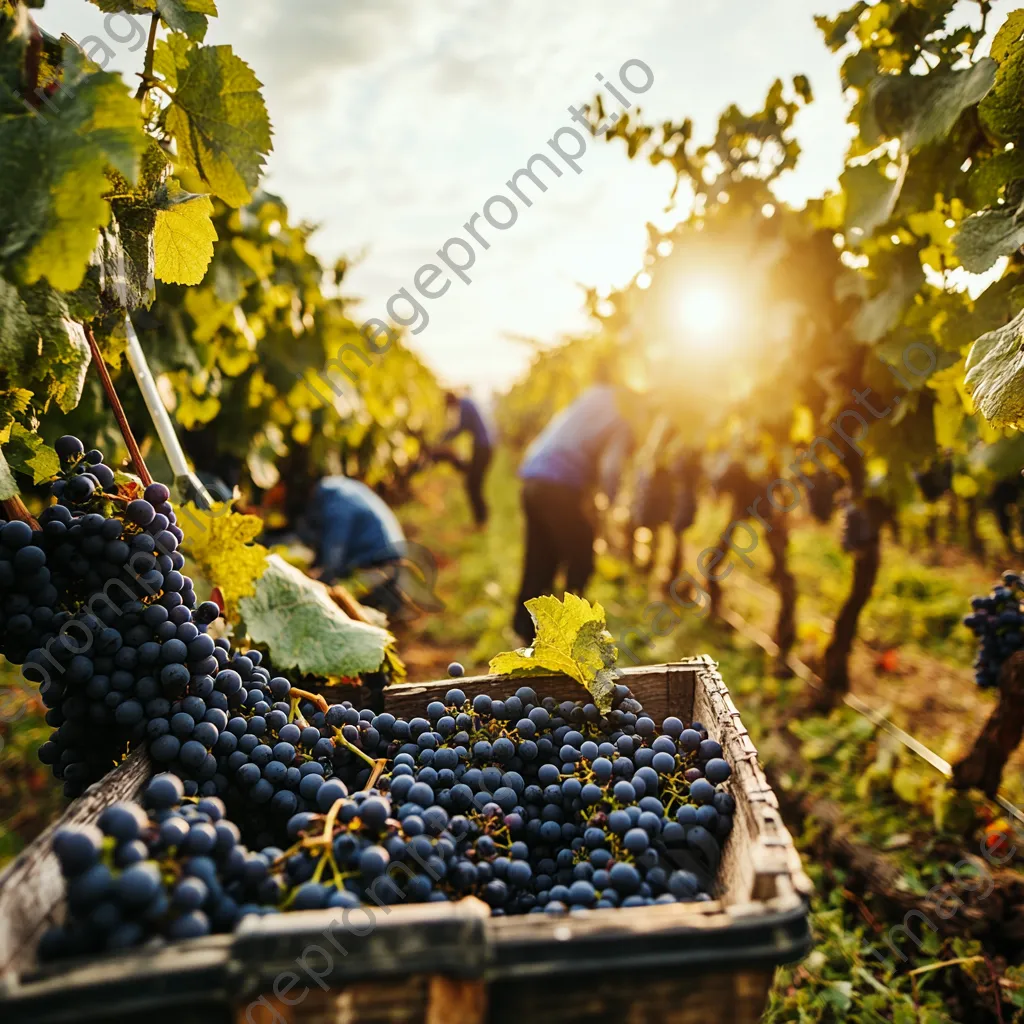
(115,404)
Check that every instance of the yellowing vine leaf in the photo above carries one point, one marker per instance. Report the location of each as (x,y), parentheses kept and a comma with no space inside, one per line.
(184,235)
(573,639)
(220,542)
(218,117)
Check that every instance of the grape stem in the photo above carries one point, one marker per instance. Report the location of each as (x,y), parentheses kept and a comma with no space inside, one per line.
(147,74)
(115,404)
(378,771)
(316,698)
(355,750)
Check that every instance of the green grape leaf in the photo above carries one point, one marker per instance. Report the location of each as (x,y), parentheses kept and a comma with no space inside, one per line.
(63,354)
(988,180)
(27,453)
(16,327)
(995,373)
(1001,110)
(986,236)
(903,277)
(126,255)
(835,30)
(188,16)
(53,172)
(918,109)
(572,639)
(184,235)
(305,630)
(218,117)
(41,348)
(870,198)
(1008,36)
(13,403)
(8,488)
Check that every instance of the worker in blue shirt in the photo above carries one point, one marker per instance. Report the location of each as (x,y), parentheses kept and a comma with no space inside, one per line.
(582,450)
(351,528)
(471,421)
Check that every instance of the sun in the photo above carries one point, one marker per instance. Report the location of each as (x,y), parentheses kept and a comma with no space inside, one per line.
(705,311)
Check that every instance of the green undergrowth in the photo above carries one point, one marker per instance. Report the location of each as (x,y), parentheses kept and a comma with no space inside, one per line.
(29,796)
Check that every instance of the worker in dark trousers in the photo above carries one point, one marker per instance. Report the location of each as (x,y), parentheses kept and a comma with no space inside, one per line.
(471,421)
(582,450)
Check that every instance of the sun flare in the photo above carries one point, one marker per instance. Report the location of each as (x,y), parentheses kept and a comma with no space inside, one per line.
(705,312)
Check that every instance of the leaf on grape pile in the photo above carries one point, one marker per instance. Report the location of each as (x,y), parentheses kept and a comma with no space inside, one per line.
(305,630)
(986,236)
(53,172)
(220,542)
(184,235)
(27,453)
(918,109)
(8,488)
(218,117)
(573,639)
(1001,110)
(995,373)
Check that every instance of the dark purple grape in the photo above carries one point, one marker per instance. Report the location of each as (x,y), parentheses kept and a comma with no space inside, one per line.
(68,447)
(157,494)
(139,512)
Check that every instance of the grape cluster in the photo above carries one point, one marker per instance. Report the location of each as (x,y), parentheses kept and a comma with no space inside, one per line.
(567,807)
(934,481)
(28,598)
(168,871)
(858,529)
(94,550)
(822,488)
(998,623)
(532,805)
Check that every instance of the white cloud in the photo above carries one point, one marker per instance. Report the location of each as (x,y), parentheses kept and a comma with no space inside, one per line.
(397,119)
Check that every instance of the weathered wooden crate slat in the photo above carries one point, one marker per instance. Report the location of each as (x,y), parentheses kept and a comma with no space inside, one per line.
(450,963)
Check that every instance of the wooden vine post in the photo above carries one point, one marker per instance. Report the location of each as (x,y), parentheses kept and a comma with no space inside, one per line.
(982,767)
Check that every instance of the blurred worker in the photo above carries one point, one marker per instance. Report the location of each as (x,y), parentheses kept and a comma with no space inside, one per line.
(352,529)
(581,450)
(471,421)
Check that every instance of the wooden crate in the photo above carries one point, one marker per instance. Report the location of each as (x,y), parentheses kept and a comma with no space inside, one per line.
(449,963)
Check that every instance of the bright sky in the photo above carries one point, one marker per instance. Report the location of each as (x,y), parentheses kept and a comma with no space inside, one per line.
(396,120)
